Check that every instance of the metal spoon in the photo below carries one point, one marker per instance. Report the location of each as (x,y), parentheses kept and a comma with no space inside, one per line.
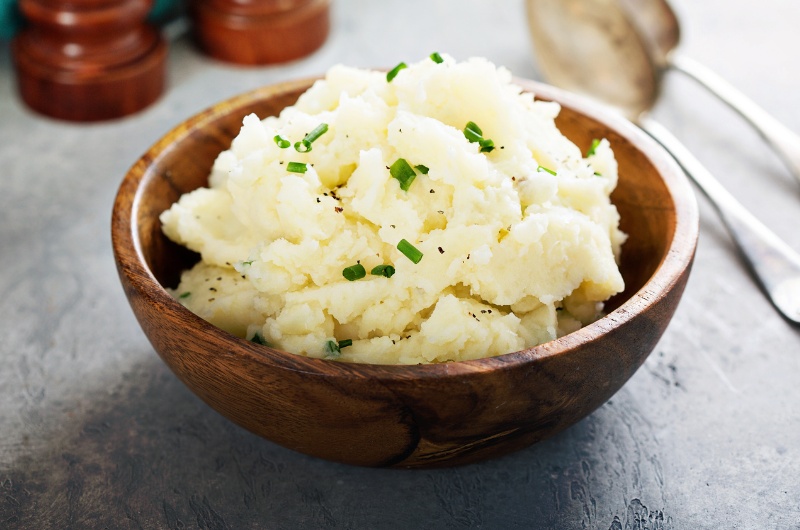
(657,23)
(649,35)
(593,47)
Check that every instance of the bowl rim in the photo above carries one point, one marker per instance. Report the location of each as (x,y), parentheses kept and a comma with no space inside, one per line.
(676,261)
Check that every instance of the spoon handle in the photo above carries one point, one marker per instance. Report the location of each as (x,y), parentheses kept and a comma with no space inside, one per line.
(783,140)
(775,265)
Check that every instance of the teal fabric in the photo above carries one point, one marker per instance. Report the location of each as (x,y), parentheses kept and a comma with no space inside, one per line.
(11,19)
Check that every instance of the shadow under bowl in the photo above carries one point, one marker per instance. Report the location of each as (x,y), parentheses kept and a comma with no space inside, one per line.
(407,416)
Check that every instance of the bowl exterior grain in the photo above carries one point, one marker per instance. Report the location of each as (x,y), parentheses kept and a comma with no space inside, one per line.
(407,416)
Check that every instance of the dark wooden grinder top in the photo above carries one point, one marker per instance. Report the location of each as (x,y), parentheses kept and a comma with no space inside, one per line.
(88,60)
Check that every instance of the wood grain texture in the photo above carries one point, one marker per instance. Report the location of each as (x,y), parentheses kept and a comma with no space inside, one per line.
(406,416)
(254,32)
(88,60)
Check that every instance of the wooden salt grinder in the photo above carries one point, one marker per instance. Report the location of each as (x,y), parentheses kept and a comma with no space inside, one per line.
(256,32)
(88,60)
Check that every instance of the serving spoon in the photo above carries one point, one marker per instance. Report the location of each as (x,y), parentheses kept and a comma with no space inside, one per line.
(657,23)
(593,47)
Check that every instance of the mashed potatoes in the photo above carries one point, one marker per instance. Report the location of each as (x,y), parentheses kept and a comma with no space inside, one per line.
(519,240)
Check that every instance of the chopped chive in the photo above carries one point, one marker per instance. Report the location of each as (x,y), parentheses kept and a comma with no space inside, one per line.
(187,294)
(296,167)
(332,349)
(258,339)
(354,272)
(542,168)
(435,57)
(247,262)
(282,142)
(304,146)
(383,270)
(590,151)
(409,251)
(318,131)
(422,169)
(394,71)
(345,343)
(474,134)
(403,172)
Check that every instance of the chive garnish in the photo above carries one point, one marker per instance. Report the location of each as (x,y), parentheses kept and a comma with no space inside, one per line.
(542,168)
(332,349)
(354,272)
(383,270)
(345,343)
(590,151)
(409,251)
(474,134)
(304,146)
(296,167)
(187,294)
(403,172)
(422,169)
(391,74)
(282,142)
(258,339)
(435,57)
(247,262)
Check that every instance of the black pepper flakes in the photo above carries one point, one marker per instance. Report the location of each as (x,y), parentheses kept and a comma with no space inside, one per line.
(441,250)
(338,209)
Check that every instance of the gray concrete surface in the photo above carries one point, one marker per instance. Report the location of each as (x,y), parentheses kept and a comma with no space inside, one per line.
(95,432)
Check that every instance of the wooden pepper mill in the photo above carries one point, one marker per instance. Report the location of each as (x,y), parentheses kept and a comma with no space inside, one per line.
(88,60)
(259,31)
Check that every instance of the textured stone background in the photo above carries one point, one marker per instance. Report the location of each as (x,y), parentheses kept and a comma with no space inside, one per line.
(95,432)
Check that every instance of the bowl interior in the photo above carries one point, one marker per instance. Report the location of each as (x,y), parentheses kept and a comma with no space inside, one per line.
(184,158)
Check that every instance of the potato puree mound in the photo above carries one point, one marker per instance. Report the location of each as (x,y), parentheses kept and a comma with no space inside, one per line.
(513,255)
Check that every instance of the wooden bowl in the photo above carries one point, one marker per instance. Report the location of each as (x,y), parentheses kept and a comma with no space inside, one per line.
(407,416)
